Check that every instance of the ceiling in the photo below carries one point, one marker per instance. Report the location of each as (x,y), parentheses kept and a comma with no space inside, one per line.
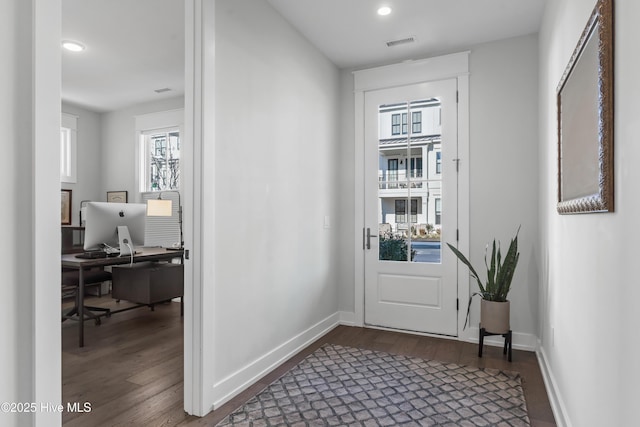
(134,47)
(352,35)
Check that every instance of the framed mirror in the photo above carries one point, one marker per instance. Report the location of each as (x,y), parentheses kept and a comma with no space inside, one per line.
(585,119)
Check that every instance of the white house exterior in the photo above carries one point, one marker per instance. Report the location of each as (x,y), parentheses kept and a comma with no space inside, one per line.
(409,166)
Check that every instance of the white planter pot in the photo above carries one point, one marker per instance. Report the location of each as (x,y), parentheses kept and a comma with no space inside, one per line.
(494,316)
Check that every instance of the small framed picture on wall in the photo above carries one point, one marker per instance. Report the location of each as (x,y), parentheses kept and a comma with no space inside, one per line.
(65,207)
(117,196)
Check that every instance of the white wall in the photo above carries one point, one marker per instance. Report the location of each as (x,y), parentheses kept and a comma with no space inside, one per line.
(119,136)
(15,313)
(274,181)
(589,292)
(30,351)
(503,168)
(89,165)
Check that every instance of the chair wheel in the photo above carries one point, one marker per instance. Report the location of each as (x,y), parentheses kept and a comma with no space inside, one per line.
(98,321)
(108,314)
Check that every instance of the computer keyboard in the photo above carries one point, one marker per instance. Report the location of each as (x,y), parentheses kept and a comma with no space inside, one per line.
(97,254)
(92,255)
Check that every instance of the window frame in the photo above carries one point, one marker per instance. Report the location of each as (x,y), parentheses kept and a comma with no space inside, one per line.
(437,205)
(68,148)
(146,167)
(416,122)
(150,123)
(395,124)
(400,205)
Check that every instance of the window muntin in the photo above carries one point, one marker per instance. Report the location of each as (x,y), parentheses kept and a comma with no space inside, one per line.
(395,124)
(399,123)
(161,150)
(401,211)
(416,167)
(416,122)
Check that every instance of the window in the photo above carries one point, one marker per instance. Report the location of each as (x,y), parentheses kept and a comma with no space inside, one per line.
(401,210)
(398,127)
(416,122)
(158,150)
(395,124)
(416,167)
(438,211)
(68,147)
(161,153)
(392,173)
(439,162)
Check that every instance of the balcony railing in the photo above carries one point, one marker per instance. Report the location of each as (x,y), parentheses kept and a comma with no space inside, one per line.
(393,179)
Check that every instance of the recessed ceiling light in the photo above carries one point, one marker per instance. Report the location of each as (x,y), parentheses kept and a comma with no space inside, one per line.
(384,11)
(72,46)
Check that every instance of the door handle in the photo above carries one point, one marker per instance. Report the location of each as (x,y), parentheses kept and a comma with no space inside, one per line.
(369,237)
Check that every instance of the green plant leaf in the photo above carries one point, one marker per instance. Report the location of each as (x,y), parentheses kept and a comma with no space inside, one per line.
(466,262)
(500,271)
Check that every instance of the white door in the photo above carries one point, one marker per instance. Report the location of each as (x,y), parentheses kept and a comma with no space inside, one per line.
(411,207)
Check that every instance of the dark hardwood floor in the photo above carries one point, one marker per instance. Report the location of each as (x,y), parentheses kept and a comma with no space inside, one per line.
(131,368)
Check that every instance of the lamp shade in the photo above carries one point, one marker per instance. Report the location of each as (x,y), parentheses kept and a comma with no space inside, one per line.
(159,207)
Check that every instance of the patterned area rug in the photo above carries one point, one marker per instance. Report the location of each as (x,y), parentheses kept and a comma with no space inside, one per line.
(343,386)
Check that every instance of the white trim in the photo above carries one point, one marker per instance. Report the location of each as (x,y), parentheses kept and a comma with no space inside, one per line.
(44,343)
(359,210)
(160,120)
(412,72)
(464,194)
(196,382)
(347,318)
(238,381)
(150,123)
(200,203)
(558,407)
(406,73)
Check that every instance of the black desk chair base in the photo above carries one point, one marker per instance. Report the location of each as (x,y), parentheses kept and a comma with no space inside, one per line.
(508,342)
(88,313)
(93,278)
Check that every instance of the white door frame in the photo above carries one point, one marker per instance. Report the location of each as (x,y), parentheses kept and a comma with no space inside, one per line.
(198,127)
(47,379)
(44,370)
(406,73)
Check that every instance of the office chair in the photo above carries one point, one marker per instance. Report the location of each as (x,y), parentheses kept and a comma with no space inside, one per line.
(72,242)
(70,282)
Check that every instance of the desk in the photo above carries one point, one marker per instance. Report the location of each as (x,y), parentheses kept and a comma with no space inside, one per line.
(82,264)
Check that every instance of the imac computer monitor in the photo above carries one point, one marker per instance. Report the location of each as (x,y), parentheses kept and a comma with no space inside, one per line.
(103,220)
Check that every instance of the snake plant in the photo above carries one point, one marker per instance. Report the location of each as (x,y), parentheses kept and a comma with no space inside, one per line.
(499,271)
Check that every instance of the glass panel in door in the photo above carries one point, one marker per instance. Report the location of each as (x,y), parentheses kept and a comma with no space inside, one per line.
(411,192)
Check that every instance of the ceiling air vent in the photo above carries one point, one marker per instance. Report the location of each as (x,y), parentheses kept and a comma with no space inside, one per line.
(393,43)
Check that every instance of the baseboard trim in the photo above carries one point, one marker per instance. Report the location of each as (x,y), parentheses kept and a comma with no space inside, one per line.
(347,318)
(234,384)
(521,341)
(555,400)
